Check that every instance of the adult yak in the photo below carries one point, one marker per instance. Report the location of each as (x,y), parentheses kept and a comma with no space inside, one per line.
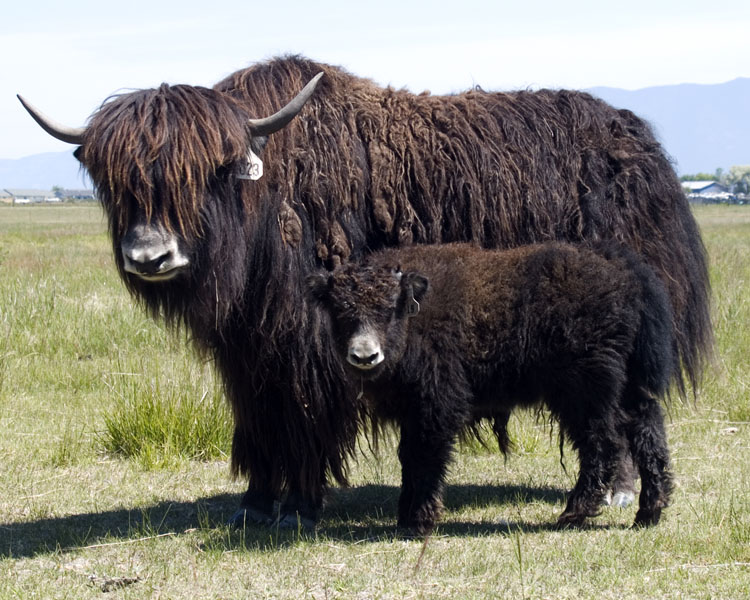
(207,236)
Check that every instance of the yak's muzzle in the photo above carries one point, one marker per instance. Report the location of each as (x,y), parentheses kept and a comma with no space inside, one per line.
(152,253)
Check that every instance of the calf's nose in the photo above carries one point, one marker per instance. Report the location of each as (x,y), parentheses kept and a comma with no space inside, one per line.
(365,361)
(365,351)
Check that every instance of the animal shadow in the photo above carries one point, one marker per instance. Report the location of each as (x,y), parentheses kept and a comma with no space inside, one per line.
(369,512)
(357,514)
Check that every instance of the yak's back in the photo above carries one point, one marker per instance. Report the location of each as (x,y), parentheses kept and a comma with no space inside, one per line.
(373,167)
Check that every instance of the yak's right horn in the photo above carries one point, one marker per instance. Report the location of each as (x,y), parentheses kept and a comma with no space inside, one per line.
(278,120)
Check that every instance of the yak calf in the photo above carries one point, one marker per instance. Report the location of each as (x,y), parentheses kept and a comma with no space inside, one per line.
(444,336)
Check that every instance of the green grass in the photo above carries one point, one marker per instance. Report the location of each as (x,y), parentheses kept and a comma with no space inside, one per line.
(157,420)
(114,436)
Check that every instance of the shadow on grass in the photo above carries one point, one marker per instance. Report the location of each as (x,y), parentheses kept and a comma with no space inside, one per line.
(98,528)
(355,515)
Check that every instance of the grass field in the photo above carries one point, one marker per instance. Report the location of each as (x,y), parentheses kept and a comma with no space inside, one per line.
(88,509)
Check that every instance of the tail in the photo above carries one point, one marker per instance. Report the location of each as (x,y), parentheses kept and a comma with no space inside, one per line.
(655,360)
(655,363)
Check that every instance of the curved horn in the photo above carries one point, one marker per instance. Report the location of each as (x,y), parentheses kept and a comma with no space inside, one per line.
(280,119)
(71,135)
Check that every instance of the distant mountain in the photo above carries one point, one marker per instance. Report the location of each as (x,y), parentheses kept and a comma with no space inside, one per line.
(702,127)
(42,172)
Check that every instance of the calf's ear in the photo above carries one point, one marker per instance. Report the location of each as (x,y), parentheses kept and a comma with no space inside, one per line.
(318,286)
(418,284)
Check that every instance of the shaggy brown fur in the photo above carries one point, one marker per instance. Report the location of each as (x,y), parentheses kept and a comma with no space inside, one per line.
(360,168)
(499,169)
(587,336)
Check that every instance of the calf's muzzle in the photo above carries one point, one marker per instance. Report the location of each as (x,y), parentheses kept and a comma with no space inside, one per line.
(364,350)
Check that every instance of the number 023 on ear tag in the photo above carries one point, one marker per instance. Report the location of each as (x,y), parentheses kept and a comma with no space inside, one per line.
(253,168)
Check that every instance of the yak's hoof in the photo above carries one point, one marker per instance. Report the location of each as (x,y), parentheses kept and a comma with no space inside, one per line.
(249,516)
(294,521)
(646,517)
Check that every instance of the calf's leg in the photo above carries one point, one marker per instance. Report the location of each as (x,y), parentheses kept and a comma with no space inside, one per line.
(600,449)
(424,456)
(623,490)
(648,441)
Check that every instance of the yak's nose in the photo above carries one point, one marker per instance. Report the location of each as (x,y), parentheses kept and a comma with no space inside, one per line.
(365,351)
(152,253)
(147,263)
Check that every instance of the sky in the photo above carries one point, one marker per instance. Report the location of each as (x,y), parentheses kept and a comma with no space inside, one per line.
(68,57)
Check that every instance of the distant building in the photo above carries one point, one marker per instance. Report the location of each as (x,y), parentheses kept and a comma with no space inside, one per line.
(76,194)
(706,192)
(31,196)
(18,196)
(704,188)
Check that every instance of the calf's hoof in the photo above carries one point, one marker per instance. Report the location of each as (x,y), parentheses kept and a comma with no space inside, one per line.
(623,499)
(573,518)
(415,529)
(570,520)
(620,499)
(647,517)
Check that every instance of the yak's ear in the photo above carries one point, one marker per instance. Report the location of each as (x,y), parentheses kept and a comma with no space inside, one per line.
(318,286)
(257,143)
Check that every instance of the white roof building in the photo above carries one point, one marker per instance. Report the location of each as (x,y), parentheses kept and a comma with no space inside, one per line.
(27,196)
(704,188)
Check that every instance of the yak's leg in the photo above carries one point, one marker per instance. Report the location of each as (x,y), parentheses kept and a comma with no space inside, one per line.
(300,509)
(600,448)
(258,506)
(278,468)
(648,440)
(424,454)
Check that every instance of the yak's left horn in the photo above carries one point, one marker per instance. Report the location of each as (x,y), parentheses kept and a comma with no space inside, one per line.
(278,120)
(71,135)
